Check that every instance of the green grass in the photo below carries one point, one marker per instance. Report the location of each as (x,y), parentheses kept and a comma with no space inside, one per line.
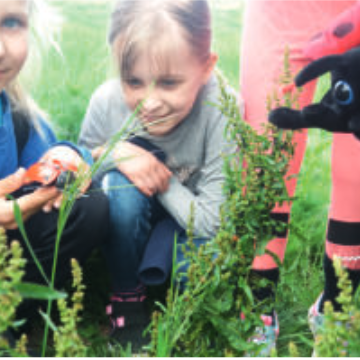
(69,80)
(227,29)
(64,89)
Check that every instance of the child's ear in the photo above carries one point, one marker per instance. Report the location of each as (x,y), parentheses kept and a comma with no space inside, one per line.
(209,66)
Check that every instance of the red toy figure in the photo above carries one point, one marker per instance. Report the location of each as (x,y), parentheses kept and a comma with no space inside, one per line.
(51,172)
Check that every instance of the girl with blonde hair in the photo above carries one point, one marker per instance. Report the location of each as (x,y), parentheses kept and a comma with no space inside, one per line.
(25,138)
(162,50)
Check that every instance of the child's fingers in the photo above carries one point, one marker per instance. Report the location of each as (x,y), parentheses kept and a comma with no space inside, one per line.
(12,182)
(144,186)
(28,204)
(155,184)
(53,204)
(58,201)
(158,179)
(7,217)
(97,152)
(48,207)
(163,178)
(31,203)
(85,184)
(155,180)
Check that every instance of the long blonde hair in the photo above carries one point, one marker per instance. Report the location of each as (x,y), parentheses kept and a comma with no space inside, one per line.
(45,24)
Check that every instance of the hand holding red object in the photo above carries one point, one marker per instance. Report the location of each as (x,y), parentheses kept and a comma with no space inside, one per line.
(61,165)
(29,204)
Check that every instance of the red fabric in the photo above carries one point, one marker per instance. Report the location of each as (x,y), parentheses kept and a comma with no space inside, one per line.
(342,34)
(345,196)
(349,255)
(270,26)
(266,261)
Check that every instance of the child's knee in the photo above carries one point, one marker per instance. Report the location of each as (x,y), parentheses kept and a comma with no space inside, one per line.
(126,202)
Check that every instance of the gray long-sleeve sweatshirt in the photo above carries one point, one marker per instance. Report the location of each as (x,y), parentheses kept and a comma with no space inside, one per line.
(194,151)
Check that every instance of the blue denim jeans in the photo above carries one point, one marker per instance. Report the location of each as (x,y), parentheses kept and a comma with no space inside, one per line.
(141,238)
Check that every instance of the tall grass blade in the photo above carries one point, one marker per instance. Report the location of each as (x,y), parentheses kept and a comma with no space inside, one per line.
(20,223)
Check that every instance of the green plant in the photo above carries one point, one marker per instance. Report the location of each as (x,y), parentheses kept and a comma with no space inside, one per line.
(293,350)
(11,273)
(13,291)
(339,336)
(205,319)
(67,340)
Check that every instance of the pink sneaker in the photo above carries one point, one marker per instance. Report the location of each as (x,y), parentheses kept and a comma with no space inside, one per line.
(128,322)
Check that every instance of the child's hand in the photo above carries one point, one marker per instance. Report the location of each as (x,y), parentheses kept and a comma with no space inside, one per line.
(142,168)
(71,157)
(97,152)
(29,204)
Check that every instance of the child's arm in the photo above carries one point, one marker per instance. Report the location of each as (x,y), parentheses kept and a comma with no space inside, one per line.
(208,196)
(142,168)
(29,204)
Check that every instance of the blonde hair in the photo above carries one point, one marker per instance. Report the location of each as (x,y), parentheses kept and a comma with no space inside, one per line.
(137,24)
(44,25)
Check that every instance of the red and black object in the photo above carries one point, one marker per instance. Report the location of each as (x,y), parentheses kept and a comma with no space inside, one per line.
(51,172)
(339,109)
(342,34)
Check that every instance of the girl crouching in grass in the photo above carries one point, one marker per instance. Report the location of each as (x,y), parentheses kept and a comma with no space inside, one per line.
(162,49)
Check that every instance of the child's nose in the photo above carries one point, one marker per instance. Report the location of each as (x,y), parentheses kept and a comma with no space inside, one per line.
(151,104)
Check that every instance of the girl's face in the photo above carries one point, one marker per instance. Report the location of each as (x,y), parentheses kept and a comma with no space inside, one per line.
(13,39)
(168,87)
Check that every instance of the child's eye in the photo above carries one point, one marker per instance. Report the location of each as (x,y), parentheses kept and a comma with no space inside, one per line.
(168,83)
(133,82)
(12,23)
